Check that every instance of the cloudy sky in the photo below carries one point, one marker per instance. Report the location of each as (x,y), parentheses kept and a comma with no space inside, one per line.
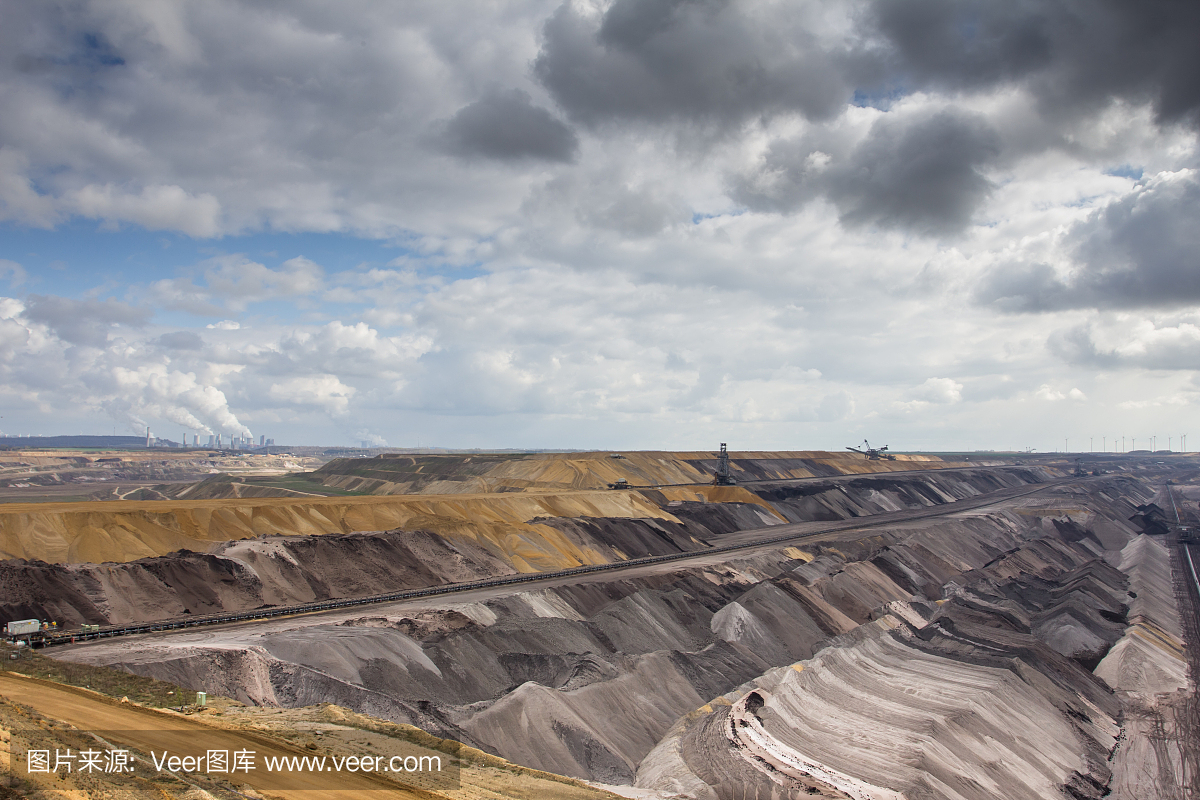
(785,224)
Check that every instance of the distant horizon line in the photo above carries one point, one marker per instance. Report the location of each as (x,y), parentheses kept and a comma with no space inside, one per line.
(131,442)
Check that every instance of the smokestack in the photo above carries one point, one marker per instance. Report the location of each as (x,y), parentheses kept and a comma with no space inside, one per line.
(147,436)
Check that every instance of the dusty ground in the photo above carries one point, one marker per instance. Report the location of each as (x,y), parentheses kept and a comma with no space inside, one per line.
(587,677)
(448,474)
(37,476)
(125,530)
(468,537)
(62,717)
(946,701)
(48,476)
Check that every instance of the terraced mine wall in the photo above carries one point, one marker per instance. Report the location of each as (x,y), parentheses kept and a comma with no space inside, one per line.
(468,538)
(986,693)
(961,658)
(73,533)
(287,571)
(388,474)
(876,494)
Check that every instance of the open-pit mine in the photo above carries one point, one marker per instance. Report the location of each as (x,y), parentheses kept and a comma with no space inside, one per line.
(829,625)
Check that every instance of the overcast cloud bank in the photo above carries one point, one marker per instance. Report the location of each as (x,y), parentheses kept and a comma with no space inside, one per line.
(949,223)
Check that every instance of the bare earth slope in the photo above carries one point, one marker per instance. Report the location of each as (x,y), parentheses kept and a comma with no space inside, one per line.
(65,716)
(986,695)
(587,679)
(499,473)
(124,531)
(461,537)
(970,656)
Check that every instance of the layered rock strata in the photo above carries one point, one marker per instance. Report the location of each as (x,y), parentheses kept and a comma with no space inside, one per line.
(588,679)
(288,570)
(1147,668)
(400,474)
(465,538)
(985,694)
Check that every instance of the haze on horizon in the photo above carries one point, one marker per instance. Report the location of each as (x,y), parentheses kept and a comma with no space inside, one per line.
(938,224)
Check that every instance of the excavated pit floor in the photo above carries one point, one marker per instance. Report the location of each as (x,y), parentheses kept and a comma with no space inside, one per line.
(966,643)
(1025,649)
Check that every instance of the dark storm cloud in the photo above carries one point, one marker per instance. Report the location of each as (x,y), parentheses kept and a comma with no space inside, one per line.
(920,174)
(1075,55)
(725,61)
(1141,251)
(508,126)
(966,43)
(83,322)
(708,61)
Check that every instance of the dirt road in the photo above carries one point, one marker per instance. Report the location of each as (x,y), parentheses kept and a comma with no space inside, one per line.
(146,731)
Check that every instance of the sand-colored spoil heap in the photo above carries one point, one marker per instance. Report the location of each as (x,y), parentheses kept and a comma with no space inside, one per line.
(585,678)
(487,499)
(443,539)
(394,474)
(124,531)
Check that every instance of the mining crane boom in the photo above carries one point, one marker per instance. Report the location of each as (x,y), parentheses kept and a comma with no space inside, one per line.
(872,453)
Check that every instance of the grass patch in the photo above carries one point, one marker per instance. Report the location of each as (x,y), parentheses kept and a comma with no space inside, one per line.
(106,680)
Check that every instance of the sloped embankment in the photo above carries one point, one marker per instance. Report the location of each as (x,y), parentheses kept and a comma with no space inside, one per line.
(129,530)
(287,570)
(460,538)
(396,474)
(239,575)
(877,494)
(586,680)
(986,694)
(1148,670)
(126,531)
(897,710)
